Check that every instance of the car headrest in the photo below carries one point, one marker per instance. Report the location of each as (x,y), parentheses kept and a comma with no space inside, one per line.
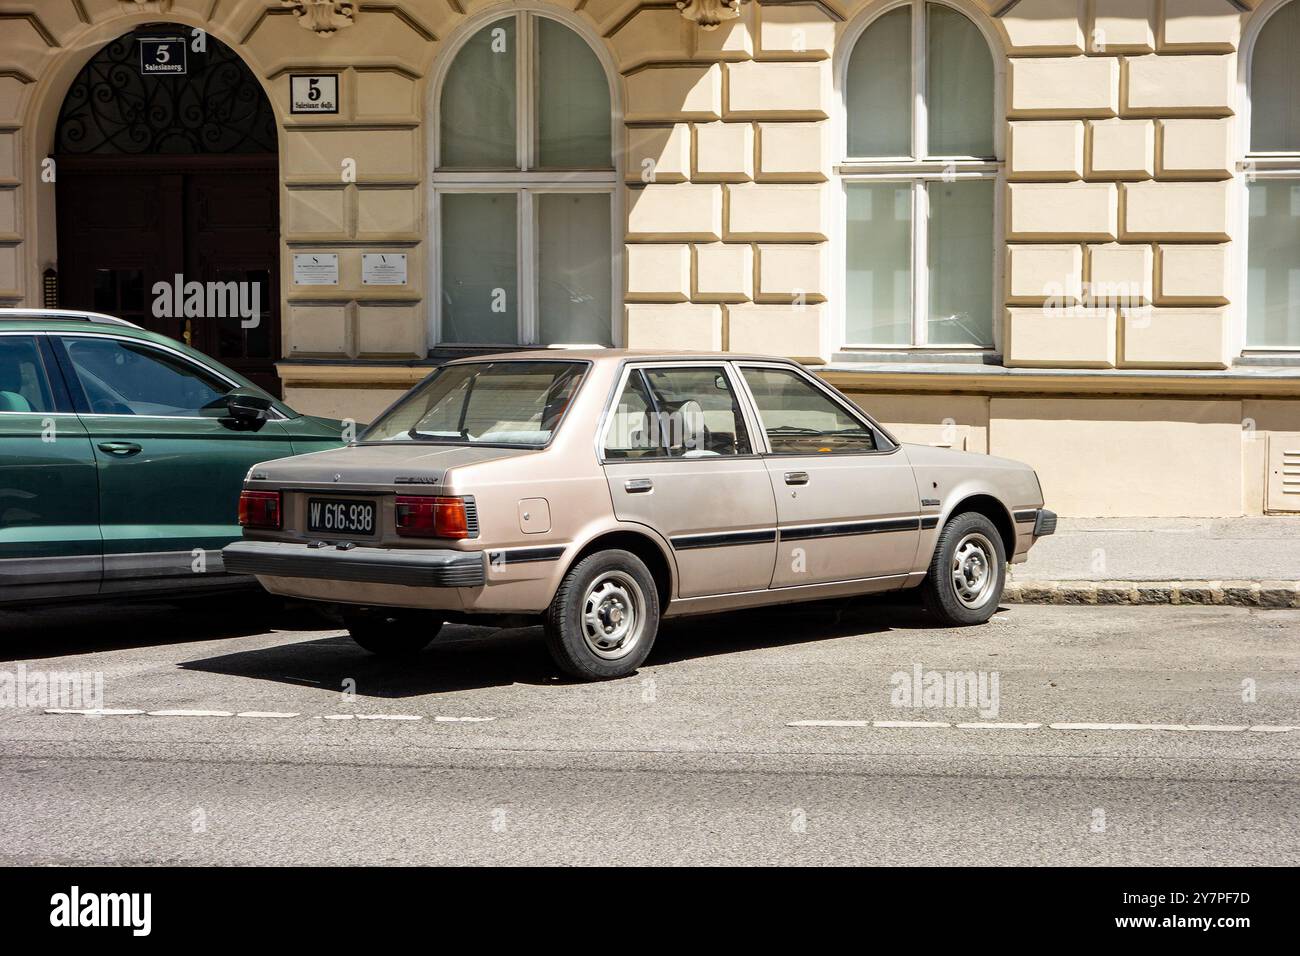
(13,402)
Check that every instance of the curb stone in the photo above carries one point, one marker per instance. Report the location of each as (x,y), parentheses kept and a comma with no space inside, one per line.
(1268,594)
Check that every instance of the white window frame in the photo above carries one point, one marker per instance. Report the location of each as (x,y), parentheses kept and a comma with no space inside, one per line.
(526,182)
(1256,166)
(919,170)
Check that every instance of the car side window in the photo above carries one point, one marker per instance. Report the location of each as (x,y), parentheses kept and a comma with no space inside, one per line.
(24,385)
(677,412)
(799,419)
(128,378)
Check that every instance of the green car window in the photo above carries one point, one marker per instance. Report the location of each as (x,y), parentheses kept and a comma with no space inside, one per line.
(24,385)
(125,378)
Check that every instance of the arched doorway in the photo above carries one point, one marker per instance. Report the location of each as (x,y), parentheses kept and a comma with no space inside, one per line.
(162,175)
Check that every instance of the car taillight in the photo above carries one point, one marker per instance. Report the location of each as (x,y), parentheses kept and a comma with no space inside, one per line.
(260,509)
(427,517)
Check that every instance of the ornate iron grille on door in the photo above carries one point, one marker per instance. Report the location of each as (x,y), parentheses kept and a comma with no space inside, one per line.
(216,107)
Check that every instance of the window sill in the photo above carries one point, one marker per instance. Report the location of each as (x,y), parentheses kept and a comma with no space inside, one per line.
(1265,358)
(978,379)
(972,356)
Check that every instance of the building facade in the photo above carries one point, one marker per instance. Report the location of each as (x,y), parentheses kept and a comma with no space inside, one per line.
(1064,231)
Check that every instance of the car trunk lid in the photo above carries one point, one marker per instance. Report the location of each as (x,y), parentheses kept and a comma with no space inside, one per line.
(387,464)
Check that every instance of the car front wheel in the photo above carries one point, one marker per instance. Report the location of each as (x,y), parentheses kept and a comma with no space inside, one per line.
(967,572)
(390,631)
(604,617)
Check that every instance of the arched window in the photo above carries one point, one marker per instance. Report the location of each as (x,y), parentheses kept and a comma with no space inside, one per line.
(524,188)
(919,180)
(1273,185)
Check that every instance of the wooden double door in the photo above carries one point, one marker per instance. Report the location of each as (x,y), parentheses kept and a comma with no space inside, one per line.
(129,223)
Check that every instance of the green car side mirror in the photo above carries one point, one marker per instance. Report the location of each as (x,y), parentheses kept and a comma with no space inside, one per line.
(242,410)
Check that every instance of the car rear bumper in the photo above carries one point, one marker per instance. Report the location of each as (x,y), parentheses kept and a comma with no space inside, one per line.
(1044,523)
(437,568)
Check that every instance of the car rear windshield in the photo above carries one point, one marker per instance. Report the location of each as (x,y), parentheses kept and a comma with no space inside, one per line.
(484,403)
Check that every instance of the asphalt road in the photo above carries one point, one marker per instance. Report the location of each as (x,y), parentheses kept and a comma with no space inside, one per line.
(692,761)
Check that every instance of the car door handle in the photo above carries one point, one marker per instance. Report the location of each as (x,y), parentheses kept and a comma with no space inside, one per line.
(638,486)
(122,449)
(796,477)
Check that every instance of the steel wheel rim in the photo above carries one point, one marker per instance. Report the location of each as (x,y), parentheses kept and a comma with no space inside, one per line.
(613,615)
(974,570)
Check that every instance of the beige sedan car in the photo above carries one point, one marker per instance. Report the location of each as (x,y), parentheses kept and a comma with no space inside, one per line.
(600,491)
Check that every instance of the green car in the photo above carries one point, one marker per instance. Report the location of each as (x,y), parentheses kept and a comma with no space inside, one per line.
(122,455)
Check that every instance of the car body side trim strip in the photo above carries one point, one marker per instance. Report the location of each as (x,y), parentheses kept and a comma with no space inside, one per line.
(723,539)
(844,528)
(523,555)
(53,569)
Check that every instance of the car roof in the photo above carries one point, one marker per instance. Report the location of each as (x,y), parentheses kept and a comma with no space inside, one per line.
(612,356)
(79,317)
(68,320)
(73,321)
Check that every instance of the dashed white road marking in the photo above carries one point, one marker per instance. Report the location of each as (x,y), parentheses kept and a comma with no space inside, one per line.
(388,717)
(990,725)
(1068,726)
(256,714)
(1194,728)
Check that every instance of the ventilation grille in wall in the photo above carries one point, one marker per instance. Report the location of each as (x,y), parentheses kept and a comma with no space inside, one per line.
(1283,472)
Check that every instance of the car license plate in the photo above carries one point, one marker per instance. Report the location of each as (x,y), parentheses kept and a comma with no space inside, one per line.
(340,516)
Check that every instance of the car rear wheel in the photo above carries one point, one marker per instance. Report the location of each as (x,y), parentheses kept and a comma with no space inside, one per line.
(967,572)
(390,631)
(604,617)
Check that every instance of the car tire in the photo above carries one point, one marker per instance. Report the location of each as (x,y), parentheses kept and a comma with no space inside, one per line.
(390,631)
(967,573)
(604,617)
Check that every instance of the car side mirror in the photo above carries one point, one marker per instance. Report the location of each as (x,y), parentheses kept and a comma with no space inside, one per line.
(244,410)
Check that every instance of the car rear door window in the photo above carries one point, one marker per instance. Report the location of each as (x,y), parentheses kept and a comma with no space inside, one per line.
(676,412)
(24,385)
(128,378)
(800,419)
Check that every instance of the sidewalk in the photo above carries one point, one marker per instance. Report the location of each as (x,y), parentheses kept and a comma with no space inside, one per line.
(1246,561)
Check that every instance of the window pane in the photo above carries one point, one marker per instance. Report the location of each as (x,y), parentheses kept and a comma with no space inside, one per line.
(1275,85)
(961,263)
(512,403)
(572,101)
(959,94)
(478,102)
(800,419)
(480,283)
(23,385)
(1273,270)
(695,413)
(105,294)
(631,432)
(573,280)
(878,88)
(879,267)
(122,378)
